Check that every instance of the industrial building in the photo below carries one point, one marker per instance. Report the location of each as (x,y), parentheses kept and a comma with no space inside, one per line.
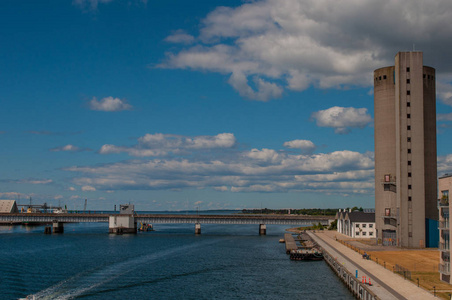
(406,213)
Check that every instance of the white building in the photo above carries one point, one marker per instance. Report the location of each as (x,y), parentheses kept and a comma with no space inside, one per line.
(356,224)
(8,206)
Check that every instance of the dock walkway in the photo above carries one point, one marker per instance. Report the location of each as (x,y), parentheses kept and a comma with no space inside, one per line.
(386,285)
(290,242)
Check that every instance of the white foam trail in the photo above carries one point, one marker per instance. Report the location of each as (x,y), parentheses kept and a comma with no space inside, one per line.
(86,281)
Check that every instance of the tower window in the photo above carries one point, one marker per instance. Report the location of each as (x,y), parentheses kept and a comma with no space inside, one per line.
(409,174)
(424,75)
(408,139)
(409,186)
(408,80)
(409,150)
(409,198)
(408,127)
(408,92)
(428,76)
(409,162)
(379,78)
(407,69)
(384,76)
(408,116)
(408,104)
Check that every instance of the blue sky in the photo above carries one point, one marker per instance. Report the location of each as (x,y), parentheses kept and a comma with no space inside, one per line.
(174,105)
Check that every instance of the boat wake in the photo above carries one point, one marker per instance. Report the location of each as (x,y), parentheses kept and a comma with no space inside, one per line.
(89,281)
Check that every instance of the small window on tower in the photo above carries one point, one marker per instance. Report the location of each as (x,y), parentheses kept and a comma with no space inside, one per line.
(409,151)
(408,127)
(428,76)
(379,78)
(424,75)
(384,76)
(408,139)
(409,198)
(408,80)
(408,92)
(408,116)
(408,104)
(409,174)
(408,69)
(409,162)
(409,186)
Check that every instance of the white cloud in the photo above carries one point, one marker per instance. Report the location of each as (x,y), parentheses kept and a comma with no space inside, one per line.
(69,148)
(304,145)
(342,118)
(88,188)
(89,4)
(296,44)
(180,36)
(444,117)
(109,104)
(28,181)
(264,170)
(163,144)
(71,188)
(444,164)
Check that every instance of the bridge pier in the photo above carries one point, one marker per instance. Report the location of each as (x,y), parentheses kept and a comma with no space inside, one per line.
(120,224)
(262,229)
(197,228)
(57,227)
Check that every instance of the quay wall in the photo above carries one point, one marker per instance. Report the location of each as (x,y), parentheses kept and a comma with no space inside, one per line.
(359,289)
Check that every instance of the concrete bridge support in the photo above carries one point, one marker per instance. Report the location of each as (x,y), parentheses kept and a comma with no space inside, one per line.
(120,224)
(57,227)
(262,229)
(197,228)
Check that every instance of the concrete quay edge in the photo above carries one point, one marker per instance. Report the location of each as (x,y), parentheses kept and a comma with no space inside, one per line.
(386,284)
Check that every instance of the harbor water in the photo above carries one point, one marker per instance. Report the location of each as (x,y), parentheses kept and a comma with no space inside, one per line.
(224,262)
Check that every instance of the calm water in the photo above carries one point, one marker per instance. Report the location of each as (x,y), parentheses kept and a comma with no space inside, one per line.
(225,262)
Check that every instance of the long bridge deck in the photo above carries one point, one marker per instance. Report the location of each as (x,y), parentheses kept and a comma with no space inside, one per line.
(167,218)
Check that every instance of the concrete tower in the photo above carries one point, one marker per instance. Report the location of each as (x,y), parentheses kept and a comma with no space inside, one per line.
(405,152)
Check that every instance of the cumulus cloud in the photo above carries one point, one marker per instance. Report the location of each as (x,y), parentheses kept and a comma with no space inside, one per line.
(295,44)
(445,164)
(159,144)
(264,170)
(180,36)
(88,188)
(444,117)
(342,118)
(69,148)
(304,145)
(109,104)
(28,181)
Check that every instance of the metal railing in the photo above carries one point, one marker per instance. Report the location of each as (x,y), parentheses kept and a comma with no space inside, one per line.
(444,224)
(444,268)
(444,246)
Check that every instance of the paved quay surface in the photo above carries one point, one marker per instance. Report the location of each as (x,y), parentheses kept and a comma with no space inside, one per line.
(385,284)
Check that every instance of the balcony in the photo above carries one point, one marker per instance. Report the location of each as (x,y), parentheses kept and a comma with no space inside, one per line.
(444,268)
(444,246)
(444,224)
(389,183)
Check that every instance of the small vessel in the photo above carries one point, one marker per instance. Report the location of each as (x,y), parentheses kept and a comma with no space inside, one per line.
(145,227)
(306,254)
(282,241)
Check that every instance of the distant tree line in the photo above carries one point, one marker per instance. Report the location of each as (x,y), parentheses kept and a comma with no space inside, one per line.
(302,211)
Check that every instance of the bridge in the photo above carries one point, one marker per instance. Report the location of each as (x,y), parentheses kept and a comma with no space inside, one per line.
(127,223)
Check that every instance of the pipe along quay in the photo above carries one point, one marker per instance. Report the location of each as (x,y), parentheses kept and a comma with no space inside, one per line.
(127,223)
